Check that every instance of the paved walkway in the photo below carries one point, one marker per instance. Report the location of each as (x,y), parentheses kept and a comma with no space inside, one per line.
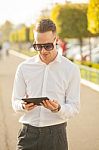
(83,130)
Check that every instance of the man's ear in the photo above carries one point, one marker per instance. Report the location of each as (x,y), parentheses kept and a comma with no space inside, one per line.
(57,39)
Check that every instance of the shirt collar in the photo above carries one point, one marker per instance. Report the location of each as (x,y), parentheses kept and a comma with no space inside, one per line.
(58,58)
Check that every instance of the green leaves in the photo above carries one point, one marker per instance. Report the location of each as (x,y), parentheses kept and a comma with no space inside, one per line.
(71,20)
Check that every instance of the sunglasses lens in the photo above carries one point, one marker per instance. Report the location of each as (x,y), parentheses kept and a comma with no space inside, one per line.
(37,47)
(49,46)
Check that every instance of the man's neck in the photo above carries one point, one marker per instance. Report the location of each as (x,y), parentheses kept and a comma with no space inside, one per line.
(53,58)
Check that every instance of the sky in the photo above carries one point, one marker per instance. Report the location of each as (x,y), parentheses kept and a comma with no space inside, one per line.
(25,11)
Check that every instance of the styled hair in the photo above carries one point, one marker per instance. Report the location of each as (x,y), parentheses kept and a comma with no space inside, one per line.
(45,25)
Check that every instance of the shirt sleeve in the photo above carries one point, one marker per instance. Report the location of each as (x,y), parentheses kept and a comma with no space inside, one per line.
(72,104)
(19,90)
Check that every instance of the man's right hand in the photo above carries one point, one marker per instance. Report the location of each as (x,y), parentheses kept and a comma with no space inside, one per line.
(29,106)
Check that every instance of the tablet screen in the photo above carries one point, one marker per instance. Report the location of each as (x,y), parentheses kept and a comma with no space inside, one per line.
(36,101)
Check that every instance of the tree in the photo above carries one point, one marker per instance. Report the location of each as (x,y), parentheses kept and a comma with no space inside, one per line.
(71,21)
(20,34)
(31,36)
(14,36)
(6,29)
(93,16)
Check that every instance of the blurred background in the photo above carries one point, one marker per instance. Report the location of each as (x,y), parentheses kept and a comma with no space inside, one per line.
(77,24)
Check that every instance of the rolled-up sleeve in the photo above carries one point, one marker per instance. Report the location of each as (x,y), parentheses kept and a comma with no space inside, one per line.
(19,90)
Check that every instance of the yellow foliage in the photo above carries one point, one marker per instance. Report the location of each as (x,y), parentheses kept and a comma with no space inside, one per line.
(55,14)
(93,16)
(31,36)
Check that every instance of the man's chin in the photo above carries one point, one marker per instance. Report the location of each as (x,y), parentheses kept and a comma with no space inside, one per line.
(45,56)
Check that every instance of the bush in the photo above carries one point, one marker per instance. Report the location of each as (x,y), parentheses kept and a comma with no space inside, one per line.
(89,64)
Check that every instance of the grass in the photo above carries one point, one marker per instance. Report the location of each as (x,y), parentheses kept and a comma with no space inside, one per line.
(90,75)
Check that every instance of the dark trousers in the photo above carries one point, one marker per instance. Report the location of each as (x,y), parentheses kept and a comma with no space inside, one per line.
(42,138)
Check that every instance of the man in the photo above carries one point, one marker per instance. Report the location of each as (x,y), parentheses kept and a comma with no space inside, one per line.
(51,75)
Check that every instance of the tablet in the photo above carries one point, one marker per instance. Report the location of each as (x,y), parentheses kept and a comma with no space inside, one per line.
(36,101)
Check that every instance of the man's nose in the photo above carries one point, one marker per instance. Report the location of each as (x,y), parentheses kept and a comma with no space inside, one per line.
(43,49)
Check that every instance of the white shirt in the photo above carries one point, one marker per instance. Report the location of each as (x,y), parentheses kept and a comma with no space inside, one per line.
(59,80)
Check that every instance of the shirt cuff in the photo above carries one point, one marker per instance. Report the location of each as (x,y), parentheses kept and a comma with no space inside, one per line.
(20,105)
(62,112)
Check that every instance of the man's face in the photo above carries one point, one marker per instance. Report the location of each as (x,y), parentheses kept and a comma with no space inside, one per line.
(44,38)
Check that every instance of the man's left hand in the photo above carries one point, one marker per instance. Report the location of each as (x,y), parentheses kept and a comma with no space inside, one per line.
(50,104)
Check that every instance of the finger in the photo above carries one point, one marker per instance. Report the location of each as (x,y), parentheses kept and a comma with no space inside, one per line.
(31,107)
(30,104)
(44,103)
(41,104)
(49,105)
(53,103)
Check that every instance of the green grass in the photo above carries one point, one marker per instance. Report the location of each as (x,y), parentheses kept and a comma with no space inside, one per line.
(90,76)
(89,73)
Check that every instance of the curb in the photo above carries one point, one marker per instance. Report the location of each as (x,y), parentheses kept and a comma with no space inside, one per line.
(90,84)
(20,55)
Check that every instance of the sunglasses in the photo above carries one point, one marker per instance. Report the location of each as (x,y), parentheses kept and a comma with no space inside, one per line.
(46,46)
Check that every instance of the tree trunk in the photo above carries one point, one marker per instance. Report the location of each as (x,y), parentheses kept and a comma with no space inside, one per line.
(81,44)
(89,49)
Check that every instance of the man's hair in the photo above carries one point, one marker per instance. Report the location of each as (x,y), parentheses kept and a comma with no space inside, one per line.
(45,25)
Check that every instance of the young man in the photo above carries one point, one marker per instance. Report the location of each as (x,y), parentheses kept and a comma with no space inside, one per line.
(47,74)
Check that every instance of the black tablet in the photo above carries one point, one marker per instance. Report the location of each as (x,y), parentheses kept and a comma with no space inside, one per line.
(36,101)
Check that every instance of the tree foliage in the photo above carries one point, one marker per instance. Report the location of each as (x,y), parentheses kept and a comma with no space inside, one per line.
(71,20)
(22,34)
(93,16)
(6,29)
(31,36)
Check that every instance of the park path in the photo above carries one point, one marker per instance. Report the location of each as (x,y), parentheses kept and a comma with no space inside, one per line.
(83,130)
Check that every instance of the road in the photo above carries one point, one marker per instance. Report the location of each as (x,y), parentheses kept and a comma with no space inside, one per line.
(83,130)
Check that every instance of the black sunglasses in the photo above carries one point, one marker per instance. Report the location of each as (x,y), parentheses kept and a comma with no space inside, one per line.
(46,46)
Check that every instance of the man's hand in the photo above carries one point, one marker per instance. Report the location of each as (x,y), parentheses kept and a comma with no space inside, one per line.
(51,105)
(29,106)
